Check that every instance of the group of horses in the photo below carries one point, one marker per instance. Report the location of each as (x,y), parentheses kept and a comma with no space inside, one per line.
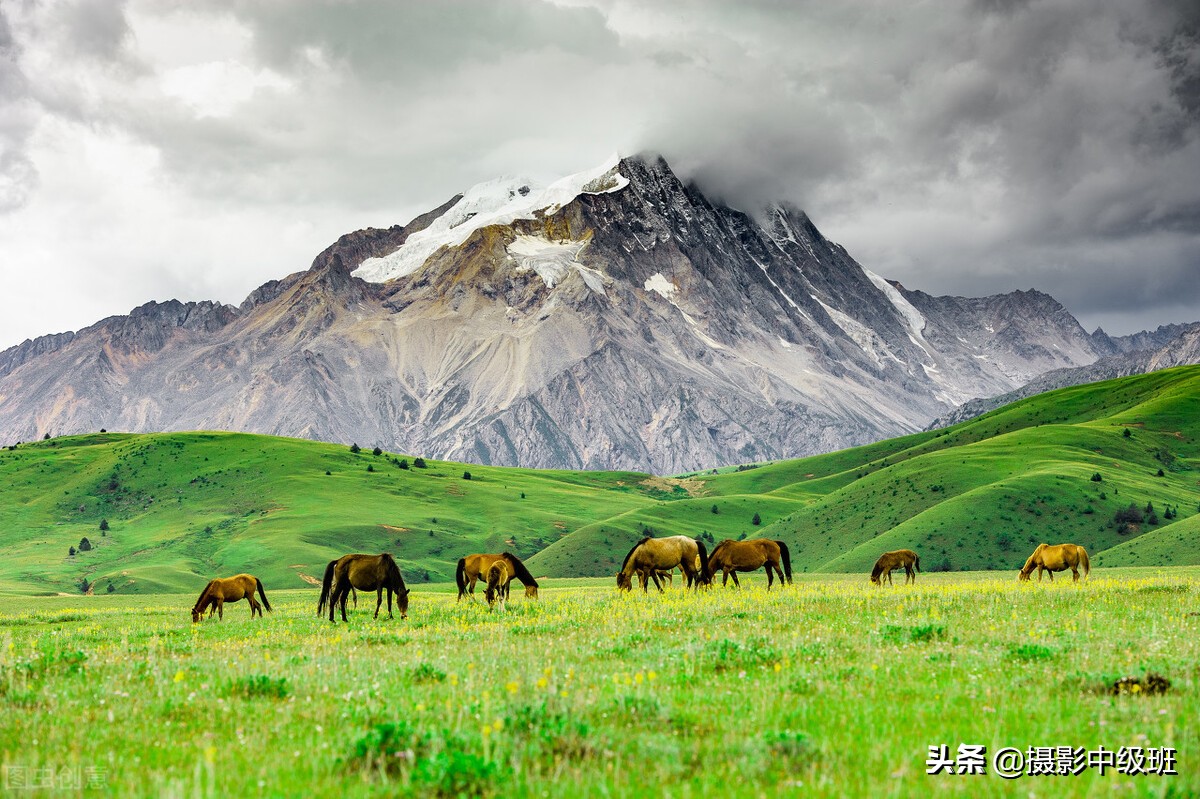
(650,559)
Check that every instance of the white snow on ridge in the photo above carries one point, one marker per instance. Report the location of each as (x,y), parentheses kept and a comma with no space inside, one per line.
(553,260)
(656,282)
(496,202)
(913,318)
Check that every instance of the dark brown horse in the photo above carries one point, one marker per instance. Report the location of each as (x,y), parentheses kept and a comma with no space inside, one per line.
(229,589)
(731,557)
(366,573)
(474,567)
(498,579)
(1056,558)
(652,555)
(901,558)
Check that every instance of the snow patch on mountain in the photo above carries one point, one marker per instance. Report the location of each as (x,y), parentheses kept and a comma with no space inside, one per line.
(657,283)
(554,260)
(866,338)
(494,202)
(913,319)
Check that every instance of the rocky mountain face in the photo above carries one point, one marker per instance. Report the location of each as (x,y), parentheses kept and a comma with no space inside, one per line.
(615,319)
(1181,350)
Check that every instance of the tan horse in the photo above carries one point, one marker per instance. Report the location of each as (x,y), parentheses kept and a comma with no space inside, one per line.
(474,567)
(366,573)
(498,579)
(731,557)
(1056,558)
(229,589)
(901,558)
(652,555)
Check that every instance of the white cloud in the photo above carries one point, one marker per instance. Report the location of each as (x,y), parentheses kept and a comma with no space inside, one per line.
(195,150)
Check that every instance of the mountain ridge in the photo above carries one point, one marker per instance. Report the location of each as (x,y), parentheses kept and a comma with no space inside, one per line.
(639,325)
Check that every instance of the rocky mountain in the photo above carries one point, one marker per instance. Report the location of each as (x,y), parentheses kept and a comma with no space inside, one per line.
(617,318)
(1181,350)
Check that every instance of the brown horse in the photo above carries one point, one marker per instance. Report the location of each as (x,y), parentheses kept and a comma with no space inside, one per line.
(474,567)
(230,589)
(1056,558)
(366,573)
(731,557)
(901,558)
(498,579)
(652,555)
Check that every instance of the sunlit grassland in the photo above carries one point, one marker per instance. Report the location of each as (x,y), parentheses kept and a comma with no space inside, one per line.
(827,688)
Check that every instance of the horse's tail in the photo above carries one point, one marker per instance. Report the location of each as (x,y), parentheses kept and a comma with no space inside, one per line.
(787,560)
(1083,559)
(460,577)
(262,594)
(326,586)
(705,574)
(916,561)
(519,570)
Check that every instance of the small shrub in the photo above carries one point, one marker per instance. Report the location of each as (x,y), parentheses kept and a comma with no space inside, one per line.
(757,520)
(1096,478)
(419,463)
(85,545)
(466,475)
(377,452)
(402,463)
(259,685)
(715,509)
(1127,434)
(370,468)
(1028,652)
(103,525)
(355,448)
(425,673)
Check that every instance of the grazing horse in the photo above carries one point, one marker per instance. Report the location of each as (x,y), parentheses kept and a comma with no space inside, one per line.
(651,555)
(1056,558)
(498,579)
(366,573)
(229,589)
(731,557)
(475,567)
(888,561)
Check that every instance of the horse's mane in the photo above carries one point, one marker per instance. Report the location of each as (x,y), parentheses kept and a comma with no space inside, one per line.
(724,543)
(390,566)
(203,595)
(519,570)
(878,570)
(629,555)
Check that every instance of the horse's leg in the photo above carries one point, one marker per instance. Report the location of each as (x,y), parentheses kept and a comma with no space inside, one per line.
(390,616)
(345,595)
(221,609)
(736,582)
(657,582)
(253,606)
(471,587)
(770,576)
(1075,571)
(378,600)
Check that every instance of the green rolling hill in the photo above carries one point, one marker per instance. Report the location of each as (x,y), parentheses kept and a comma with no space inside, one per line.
(182,507)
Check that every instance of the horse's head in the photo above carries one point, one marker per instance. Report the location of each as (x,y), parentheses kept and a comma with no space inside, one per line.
(531,591)
(624,581)
(402,601)
(875,579)
(196,614)
(1023,576)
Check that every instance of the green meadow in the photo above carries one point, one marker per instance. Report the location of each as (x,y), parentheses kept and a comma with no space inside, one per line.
(829,687)
(182,507)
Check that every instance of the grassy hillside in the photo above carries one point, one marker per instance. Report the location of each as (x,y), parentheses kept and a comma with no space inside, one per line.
(185,506)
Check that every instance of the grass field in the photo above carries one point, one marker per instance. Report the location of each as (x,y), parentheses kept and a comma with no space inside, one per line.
(827,688)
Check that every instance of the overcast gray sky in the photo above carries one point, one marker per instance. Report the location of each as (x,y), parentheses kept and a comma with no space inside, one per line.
(194,150)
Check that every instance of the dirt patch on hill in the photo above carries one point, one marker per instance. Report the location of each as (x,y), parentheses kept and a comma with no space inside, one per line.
(693,487)
(395,529)
(308,578)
